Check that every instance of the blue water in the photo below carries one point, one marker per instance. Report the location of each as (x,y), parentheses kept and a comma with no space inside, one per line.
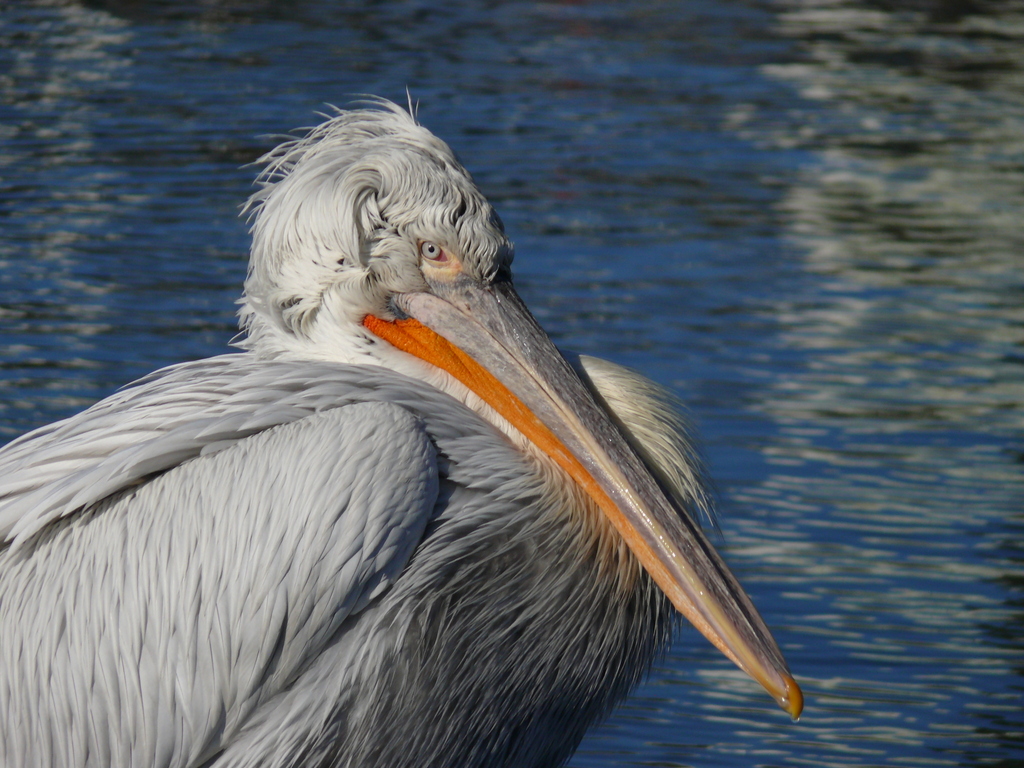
(804,216)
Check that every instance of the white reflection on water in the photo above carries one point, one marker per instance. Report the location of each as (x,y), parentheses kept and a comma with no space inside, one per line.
(53,57)
(899,432)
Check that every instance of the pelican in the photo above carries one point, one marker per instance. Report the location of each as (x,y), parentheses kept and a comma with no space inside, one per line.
(399,528)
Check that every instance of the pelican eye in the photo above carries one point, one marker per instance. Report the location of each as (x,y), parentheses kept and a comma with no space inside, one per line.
(433,252)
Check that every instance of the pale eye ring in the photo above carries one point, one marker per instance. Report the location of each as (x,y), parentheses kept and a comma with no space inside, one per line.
(433,252)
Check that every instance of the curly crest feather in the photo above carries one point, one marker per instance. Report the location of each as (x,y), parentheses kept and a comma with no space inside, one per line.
(351,200)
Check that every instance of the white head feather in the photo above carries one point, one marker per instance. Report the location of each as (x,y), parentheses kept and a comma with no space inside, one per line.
(337,223)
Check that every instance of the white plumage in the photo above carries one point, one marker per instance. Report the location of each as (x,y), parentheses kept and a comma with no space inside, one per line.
(338,547)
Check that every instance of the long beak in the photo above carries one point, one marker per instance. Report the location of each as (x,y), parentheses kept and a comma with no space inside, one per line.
(487,338)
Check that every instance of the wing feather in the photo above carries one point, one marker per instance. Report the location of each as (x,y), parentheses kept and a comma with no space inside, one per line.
(170,611)
(179,413)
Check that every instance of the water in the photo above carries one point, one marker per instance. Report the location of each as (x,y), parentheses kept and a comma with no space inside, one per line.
(803,216)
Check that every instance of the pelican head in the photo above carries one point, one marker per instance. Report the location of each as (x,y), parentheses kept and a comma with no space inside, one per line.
(371,244)
(366,206)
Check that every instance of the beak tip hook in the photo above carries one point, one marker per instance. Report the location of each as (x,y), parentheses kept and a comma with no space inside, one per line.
(792,699)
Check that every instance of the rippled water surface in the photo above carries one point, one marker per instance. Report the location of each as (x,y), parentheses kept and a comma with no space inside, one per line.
(803,216)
